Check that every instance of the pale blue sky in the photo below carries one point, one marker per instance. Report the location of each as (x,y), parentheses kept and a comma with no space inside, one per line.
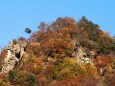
(16,15)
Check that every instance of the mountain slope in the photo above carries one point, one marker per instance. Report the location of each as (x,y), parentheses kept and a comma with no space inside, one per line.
(65,53)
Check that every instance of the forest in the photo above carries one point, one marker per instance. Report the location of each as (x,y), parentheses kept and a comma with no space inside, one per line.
(64,53)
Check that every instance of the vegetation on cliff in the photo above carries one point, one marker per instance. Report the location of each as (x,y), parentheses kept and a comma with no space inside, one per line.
(51,58)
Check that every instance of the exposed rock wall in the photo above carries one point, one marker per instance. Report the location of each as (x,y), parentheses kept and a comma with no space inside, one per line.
(15,52)
(81,56)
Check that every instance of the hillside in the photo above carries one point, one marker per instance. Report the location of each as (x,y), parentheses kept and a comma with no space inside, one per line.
(63,53)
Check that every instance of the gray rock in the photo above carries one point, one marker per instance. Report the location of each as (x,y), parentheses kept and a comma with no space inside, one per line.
(14,54)
(81,56)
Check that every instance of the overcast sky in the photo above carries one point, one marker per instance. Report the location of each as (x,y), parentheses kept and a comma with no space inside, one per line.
(16,15)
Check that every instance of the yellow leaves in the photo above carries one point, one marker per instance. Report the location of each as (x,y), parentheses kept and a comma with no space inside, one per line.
(72,61)
(91,70)
(65,72)
(62,55)
(80,68)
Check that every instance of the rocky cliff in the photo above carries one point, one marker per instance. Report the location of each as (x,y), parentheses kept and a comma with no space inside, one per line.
(15,52)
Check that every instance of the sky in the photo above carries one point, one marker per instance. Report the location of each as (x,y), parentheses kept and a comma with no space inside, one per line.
(16,15)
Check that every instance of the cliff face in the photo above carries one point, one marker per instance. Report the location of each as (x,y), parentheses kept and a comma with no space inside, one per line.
(15,51)
(81,56)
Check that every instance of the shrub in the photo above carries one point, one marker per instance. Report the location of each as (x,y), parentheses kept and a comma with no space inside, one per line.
(104,48)
(31,78)
(11,75)
(86,44)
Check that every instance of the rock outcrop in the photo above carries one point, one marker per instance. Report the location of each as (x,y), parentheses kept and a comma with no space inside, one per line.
(81,56)
(15,52)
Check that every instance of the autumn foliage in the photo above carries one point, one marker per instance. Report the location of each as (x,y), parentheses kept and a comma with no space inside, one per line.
(48,60)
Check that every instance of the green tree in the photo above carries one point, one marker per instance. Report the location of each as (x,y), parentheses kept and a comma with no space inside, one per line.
(31,78)
(27,30)
(11,75)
